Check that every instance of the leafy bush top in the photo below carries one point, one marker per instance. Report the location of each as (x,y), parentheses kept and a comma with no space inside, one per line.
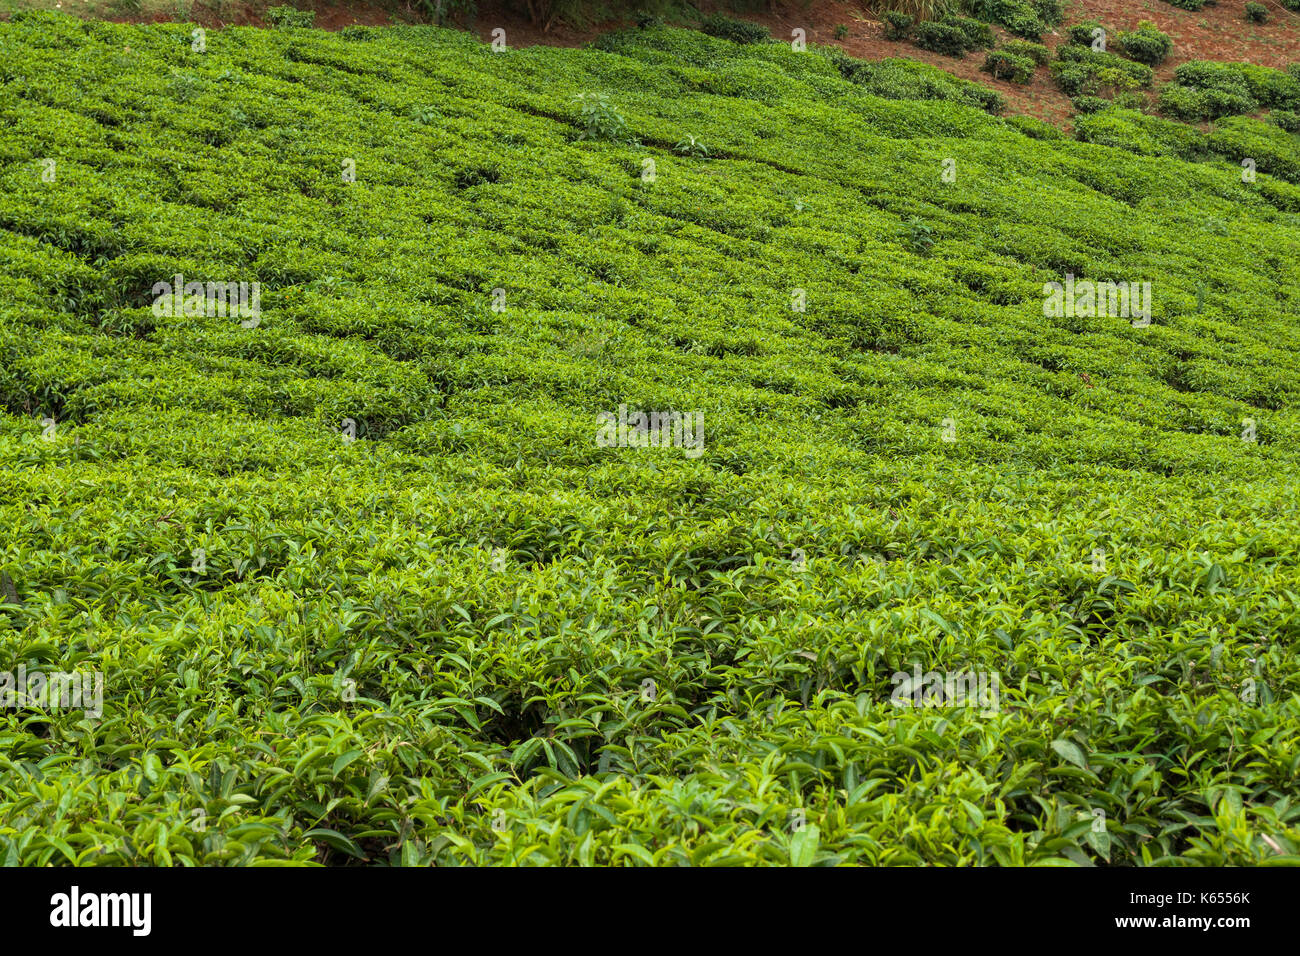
(287,17)
(737,31)
(1146,44)
(946,38)
(465,633)
(1006,65)
(1040,54)
(897,24)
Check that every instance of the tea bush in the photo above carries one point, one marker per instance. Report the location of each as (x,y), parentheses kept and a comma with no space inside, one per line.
(1081,34)
(1272,149)
(978,35)
(1146,44)
(1191,103)
(1024,19)
(1274,89)
(1140,133)
(1040,54)
(1288,120)
(897,25)
(1204,89)
(1009,66)
(364,588)
(1089,104)
(1234,139)
(287,17)
(1082,71)
(738,31)
(942,37)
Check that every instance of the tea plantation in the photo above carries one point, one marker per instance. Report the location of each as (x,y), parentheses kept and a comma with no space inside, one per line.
(365,587)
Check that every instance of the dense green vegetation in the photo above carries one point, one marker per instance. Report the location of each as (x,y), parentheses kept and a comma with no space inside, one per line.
(363,585)
(1029,19)
(1204,90)
(1146,44)
(1009,66)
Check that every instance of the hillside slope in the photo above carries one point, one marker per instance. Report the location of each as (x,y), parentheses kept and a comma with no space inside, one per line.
(364,583)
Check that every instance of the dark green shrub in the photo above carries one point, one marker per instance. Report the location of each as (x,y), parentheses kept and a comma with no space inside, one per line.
(1189,103)
(1187,4)
(1203,74)
(898,25)
(1273,150)
(1073,79)
(1009,66)
(440,11)
(1286,119)
(978,35)
(1275,89)
(1268,87)
(1080,34)
(841,32)
(1256,13)
(1139,72)
(1226,102)
(1146,44)
(1089,104)
(286,17)
(1023,19)
(737,31)
(941,38)
(1040,54)
(1183,102)
(1025,25)
(1080,70)
(918,235)
(1049,11)
(599,118)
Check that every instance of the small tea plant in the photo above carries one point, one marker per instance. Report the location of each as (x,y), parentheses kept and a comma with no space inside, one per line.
(690,146)
(599,119)
(918,235)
